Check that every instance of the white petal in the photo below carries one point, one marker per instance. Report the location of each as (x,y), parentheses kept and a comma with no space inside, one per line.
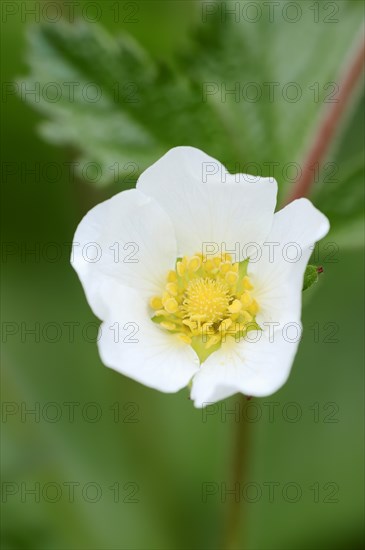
(128,238)
(208,205)
(254,368)
(278,279)
(132,344)
(261,368)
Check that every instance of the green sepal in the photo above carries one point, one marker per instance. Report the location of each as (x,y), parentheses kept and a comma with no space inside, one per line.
(242,272)
(158,318)
(198,345)
(310,276)
(242,268)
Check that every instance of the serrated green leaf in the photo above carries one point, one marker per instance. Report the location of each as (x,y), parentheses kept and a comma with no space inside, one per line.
(146,108)
(143,107)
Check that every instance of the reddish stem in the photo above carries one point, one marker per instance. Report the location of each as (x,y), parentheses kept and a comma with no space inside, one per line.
(329,125)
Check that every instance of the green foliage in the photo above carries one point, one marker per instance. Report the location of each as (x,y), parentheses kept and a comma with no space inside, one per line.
(143,108)
(307,436)
(248,93)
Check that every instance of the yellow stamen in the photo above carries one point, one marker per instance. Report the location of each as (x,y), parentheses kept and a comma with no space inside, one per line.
(204,300)
(254,308)
(156,302)
(235,306)
(231,277)
(246,298)
(181,267)
(171,305)
(172,288)
(185,338)
(209,265)
(194,263)
(168,326)
(225,267)
(247,285)
(171,276)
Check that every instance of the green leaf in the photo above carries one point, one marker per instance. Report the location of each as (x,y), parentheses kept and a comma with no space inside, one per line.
(256,80)
(145,108)
(310,276)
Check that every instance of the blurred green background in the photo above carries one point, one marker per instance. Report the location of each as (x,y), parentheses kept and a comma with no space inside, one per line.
(139,461)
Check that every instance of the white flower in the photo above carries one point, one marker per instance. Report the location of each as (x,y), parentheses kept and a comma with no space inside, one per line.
(173,249)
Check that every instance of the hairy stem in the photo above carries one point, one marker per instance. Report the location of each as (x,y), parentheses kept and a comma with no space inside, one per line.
(329,124)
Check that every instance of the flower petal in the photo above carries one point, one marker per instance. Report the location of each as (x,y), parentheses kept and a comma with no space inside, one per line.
(278,274)
(206,203)
(261,368)
(254,368)
(128,238)
(132,344)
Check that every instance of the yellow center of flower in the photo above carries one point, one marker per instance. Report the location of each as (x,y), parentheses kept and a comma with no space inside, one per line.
(205,300)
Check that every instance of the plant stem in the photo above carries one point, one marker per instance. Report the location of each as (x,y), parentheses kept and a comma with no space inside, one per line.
(329,124)
(238,469)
